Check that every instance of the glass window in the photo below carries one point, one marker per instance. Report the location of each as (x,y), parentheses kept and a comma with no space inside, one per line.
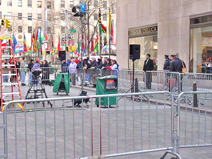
(20,14)
(9,3)
(10,29)
(95,16)
(104,17)
(29,3)
(62,4)
(201,50)
(19,29)
(29,29)
(105,4)
(62,16)
(95,2)
(39,4)
(62,30)
(71,4)
(49,5)
(49,17)
(19,3)
(29,16)
(9,13)
(149,45)
(39,16)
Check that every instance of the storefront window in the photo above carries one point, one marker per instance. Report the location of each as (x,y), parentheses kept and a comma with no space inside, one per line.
(201,50)
(148,45)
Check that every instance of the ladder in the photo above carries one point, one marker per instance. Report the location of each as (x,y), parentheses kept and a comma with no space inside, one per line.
(13,82)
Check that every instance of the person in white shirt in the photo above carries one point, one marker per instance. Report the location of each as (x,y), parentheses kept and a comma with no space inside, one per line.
(72,69)
(114,67)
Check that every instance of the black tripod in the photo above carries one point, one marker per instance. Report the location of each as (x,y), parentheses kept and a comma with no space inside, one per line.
(36,89)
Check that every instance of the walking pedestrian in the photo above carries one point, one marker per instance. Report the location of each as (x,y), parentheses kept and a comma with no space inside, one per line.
(23,69)
(30,66)
(148,66)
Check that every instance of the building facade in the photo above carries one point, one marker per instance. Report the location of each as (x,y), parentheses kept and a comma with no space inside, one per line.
(166,27)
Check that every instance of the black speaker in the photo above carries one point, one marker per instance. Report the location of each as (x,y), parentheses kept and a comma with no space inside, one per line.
(134,52)
(62,55)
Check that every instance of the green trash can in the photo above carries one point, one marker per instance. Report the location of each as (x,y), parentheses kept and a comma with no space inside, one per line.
(61,83)
(106,85)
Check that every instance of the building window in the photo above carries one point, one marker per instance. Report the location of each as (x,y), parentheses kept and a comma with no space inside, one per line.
(49,17)
(95,16)
(95,3)
(62,30)
(20,16)
(29,3)
(9,3)
(104,17)
(19,3)
(39,4)
(71,4)
(10,29)
(29,29)
(29,16)
(9,13)
(62,16)
(105,4)
(49,5)
(19,29)
(39,16)
(62,4)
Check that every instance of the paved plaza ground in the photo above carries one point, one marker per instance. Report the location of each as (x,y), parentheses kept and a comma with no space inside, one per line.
(133,126)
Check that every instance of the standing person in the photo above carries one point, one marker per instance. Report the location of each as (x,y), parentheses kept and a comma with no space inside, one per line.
(72,69)
(13,79)
(148,66)
(17,63)
(114,67)
(69,61)
(23,69)
(166,65)
(30,66)
(36,65)
(5,70)
(176,64)
(80,71)
(64,67)
(46,72)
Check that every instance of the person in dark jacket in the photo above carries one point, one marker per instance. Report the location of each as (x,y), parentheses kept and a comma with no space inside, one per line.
(99,64)
(64,67)
(30,66)
(176,64)
(148,66)
(166,65)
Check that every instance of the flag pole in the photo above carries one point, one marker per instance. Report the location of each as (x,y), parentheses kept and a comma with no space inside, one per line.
(100,33)
(109,28)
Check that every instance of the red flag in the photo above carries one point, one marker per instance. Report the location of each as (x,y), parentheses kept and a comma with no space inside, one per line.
(36,37)
(58,47)
(92,46)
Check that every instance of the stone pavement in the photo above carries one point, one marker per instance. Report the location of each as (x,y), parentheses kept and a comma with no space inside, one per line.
(142,126)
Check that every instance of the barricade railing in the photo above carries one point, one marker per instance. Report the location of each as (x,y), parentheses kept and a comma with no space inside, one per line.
(125,80)
(194,122)
(69,131)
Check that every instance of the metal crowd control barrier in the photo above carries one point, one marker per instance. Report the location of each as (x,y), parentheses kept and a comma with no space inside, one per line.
(67,131)
(194,122)
(203,81)
(125,80)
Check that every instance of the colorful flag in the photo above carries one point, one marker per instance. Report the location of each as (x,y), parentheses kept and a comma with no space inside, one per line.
(58,46)
(25,45)
(102,28)
(96,47)
(92,46)
(111,32)
(14,43)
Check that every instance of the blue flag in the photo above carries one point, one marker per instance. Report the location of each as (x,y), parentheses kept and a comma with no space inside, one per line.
(14,43)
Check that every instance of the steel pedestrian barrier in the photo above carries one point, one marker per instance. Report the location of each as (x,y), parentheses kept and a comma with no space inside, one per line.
(194,122)
(69,131)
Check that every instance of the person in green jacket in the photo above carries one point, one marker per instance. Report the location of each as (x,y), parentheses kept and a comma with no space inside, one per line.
(23,69)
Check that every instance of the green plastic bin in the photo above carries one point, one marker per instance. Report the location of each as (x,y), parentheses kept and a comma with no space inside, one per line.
(106,85)
(61,83)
